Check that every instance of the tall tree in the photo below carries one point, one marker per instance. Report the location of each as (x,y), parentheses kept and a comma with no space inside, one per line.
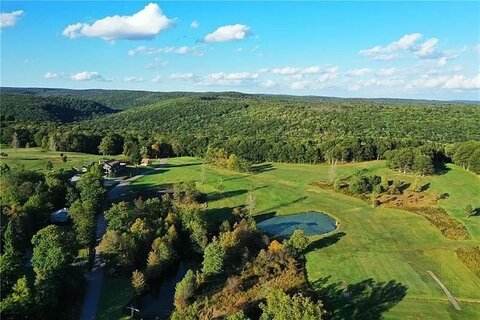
(213,259)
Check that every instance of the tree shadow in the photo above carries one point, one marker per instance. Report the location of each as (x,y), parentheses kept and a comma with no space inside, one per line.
(264,216)
(325,241)
(365,300)
(181,165)
(216,216)
(223,195)
(440,168)
(475,212)
(263,167)
(425,187)
(284,204)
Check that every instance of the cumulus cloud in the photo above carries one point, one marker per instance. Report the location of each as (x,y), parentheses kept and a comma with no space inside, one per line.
(87,76)
(143,25)
(183,50)
(460,82)
(228,33)
(156,63)
(268,83)
(182,76)
(133,79)
(194,24)
(9,19)
(296,70)
(358,72)
(384,72)
(317,81)
(410,43)
(51,75)
(428,49)
(227,79)
(407,42)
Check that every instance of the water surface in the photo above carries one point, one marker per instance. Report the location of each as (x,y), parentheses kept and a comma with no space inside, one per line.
(312,223)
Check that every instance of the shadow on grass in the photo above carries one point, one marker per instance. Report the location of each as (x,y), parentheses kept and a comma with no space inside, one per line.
(365,300)
(440,168)
(284,204)
(223,195)
(325,241)
(216,216)
(263,167)
(167,165)
(264,216)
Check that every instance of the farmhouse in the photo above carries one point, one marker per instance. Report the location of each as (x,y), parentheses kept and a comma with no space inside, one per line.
(113,167)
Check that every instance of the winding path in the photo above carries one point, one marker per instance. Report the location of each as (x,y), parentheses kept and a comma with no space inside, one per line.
(95,276)
(450,297)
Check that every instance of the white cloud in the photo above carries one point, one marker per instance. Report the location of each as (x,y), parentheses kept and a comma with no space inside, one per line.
(286,70)
(156,63)
(227,79)
(384,72)
(133,79)
(183,50)
(318,82)
(296,70)
(157,79)
(228,33)
(428,49)
(354,87)
(194,24)
(87,76)
(460,82)
(182,76)
(51,75)
(299,85)
(9,19)
(268,83)
(358,72)
(142,50)
(407,42)
(143,25)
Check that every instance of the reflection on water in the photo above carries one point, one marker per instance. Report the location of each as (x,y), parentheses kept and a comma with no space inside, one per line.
(158,303)
(312,223)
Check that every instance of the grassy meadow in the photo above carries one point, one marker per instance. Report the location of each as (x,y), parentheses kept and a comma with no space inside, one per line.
(37,158)
(381,244)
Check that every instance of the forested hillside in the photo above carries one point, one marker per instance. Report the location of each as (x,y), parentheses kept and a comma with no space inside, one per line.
(299,118)
(254,127)
(25,107)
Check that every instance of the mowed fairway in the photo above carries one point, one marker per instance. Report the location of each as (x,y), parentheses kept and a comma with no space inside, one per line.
(373,243)
(37,158)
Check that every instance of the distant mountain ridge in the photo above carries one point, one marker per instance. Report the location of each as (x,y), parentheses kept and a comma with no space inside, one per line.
(28,107)
(126,99)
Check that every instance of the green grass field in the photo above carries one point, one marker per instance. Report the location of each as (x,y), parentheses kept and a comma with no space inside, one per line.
(37,158)
(378,243)
(116,293)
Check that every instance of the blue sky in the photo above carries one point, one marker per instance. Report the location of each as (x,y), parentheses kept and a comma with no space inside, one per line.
(349,49)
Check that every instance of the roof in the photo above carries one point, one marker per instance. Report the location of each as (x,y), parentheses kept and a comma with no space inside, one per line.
(112,162)
(60,215)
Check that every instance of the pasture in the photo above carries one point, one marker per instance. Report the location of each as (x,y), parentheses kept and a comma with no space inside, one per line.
(37,158)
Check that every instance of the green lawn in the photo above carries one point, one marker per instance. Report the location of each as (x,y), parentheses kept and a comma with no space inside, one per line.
(36,158)
(378,243)
(116,293)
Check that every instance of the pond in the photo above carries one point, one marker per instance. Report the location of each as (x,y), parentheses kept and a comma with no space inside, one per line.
(312,223)
(158,303)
